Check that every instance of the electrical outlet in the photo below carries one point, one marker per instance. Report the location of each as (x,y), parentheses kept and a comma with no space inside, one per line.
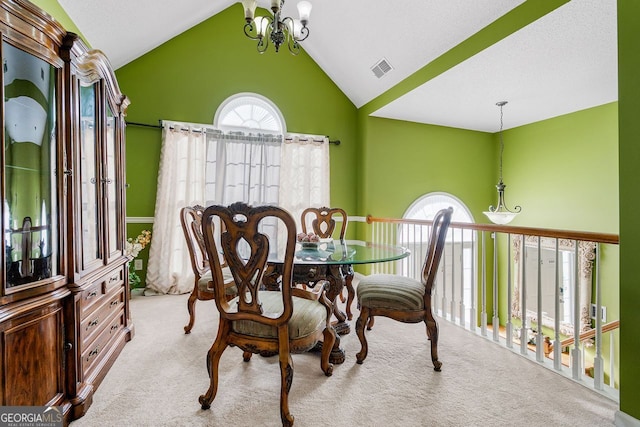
(603,312)
(137,264)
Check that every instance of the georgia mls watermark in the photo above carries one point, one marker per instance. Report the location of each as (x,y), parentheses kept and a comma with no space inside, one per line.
(30,416)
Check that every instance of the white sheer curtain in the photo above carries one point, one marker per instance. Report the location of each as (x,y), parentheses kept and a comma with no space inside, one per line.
(304,178)
(181,182)
(242,167)
(202,165)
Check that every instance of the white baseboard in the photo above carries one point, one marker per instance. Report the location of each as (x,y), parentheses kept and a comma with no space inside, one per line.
(625,420)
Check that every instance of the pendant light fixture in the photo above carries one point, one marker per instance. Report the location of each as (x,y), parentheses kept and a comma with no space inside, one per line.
(501,214)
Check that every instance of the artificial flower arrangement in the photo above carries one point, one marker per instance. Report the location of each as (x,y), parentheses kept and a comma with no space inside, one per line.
(133,247)
(308,237)
(308,240)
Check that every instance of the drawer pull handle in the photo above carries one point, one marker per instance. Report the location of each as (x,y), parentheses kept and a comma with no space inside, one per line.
(92,353)
(92,294)
(114,302)
(92,324)
(114,327)
(113,279)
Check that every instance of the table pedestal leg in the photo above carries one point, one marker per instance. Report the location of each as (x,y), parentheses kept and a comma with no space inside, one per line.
(336,279)
(312,274)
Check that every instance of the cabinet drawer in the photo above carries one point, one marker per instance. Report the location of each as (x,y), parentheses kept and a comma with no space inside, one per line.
(97,349)
(111,308)
(92,297)
(113,280)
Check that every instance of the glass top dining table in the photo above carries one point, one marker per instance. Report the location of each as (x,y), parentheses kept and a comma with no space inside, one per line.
(333,261)
(340,252)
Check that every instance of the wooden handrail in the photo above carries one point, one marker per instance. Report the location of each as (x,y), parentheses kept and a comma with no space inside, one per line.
(527,231)
(591,333)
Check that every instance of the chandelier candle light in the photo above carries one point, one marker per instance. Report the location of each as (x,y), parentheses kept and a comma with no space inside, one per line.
(275,28)
(501,214)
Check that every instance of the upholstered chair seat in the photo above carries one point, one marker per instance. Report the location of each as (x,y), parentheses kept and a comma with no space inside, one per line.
(392,292)
(308,316)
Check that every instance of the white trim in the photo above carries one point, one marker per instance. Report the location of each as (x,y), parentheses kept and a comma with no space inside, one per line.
(139,220)
(625,420)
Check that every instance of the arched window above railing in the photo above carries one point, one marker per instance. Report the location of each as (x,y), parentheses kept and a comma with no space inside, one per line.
(425,207)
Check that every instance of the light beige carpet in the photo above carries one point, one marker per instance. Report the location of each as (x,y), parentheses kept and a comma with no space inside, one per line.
(160,374)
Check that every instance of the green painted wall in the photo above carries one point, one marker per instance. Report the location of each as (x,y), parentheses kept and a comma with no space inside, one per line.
(401,161)
(564,171)
(629,129)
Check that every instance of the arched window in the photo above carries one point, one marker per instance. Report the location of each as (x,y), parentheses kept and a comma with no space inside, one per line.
(249,111)
(425,207)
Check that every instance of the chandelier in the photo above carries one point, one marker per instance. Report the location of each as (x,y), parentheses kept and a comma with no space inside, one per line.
(275,28)
(501,214)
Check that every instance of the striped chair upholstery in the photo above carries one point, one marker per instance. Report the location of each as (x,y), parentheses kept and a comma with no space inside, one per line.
(392,292)
(307,317)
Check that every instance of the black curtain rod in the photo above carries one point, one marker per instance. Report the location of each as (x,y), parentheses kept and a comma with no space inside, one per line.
(336,142)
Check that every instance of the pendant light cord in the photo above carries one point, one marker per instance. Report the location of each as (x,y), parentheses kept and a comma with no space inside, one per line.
(501,104)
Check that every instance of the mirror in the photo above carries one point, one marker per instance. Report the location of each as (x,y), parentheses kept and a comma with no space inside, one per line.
(30,191)
(566,279)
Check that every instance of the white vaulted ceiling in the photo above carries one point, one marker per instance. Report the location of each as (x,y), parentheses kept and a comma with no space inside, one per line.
(564,62)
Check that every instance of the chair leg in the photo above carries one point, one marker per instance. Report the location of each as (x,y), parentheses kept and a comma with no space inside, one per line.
(327,345)
(191,307)
(370,323)
(286,378)
(432,334)
(360,324)
(213,361)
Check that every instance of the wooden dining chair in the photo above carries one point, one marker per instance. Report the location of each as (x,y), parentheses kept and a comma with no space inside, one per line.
(402,298)
(322,222)
(281,321)
(191,220)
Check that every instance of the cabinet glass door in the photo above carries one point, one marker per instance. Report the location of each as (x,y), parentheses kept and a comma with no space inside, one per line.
(30,205)
(111,187)
(89,181)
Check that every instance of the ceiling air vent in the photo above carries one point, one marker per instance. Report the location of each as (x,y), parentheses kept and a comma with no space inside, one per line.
(381,68)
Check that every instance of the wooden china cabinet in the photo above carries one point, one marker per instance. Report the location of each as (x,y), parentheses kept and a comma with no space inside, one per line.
(64,314)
